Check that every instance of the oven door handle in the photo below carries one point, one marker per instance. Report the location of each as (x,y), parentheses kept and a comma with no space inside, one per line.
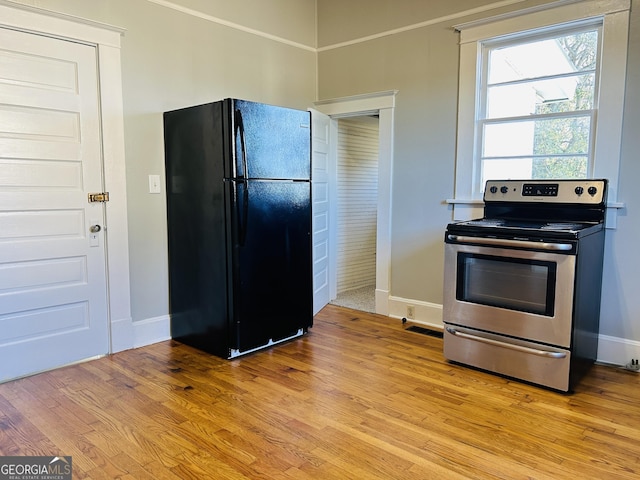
(520,348)
(503,242)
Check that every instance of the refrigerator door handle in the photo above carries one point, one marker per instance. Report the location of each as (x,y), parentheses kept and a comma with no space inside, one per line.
(242,209)
(243,145)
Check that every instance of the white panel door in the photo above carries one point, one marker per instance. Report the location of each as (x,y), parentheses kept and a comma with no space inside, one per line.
(320,176)
(53,304)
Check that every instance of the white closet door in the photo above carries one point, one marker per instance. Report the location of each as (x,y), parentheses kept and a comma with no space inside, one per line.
(320,175)
(53,303)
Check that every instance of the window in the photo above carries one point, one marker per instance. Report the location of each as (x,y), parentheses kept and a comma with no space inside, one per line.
(538,103)
(541,95)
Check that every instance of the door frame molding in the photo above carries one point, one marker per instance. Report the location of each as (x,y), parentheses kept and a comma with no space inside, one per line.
(106,39)
(383,105)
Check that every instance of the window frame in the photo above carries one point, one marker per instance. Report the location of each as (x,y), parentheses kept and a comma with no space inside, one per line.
(613,15)
(485,121)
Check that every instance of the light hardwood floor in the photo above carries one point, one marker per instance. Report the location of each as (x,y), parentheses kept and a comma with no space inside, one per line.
(358,398)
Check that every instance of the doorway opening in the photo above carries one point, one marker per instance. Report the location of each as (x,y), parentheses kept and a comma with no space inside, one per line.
(357,212)
(380,105)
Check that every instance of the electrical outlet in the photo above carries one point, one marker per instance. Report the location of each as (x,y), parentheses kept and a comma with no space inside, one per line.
(411,311)
(634,365)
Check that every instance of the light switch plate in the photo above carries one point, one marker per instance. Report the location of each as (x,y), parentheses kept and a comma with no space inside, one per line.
(154,183)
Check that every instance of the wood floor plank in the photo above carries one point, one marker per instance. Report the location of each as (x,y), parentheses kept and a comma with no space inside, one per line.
(360,397)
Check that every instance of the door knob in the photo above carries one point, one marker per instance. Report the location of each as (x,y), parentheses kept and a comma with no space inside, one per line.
(95,228)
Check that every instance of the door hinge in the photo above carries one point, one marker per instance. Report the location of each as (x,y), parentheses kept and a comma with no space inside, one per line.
(99,197)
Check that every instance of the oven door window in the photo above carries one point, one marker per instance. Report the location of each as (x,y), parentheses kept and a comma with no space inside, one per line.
(512,283)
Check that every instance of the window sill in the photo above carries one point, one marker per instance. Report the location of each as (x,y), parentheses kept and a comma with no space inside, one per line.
(466,201)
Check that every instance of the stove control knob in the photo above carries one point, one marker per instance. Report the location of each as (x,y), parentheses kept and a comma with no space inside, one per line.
(579,190)
(493,189)
(592,191)
(504,189)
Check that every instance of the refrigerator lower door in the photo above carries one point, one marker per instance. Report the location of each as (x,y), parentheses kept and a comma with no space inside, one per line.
(271,284)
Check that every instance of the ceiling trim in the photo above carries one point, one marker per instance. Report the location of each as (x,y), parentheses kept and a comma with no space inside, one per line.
(426,23)
(226,23)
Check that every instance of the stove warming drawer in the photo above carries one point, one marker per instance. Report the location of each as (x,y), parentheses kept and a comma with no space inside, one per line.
(528,361)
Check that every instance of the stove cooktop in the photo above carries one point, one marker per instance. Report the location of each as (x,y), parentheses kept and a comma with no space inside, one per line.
(496,226)
(527,225)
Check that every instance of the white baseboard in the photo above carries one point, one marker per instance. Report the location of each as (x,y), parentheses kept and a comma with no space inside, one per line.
(611,350)
(617,351)
(121,335)
(151,330)
(127,334)
(425,313)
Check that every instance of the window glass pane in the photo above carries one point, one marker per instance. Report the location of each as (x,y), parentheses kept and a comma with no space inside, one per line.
(548,136)
(504,168)
(562,135)
(542,58)
(559,167)
(554,95)
(535,168)
(508,139)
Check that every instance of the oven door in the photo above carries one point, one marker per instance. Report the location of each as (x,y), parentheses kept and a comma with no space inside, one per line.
(515,292)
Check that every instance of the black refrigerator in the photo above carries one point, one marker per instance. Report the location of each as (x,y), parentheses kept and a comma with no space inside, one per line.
(239,225)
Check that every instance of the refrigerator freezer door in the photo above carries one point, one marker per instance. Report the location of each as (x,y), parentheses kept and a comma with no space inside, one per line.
(271,278)
(270,142)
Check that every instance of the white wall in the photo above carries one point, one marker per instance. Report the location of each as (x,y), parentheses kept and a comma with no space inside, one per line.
(620,313)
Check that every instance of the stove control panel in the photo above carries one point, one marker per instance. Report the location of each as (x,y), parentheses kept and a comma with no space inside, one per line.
(589,192)
(540,190)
